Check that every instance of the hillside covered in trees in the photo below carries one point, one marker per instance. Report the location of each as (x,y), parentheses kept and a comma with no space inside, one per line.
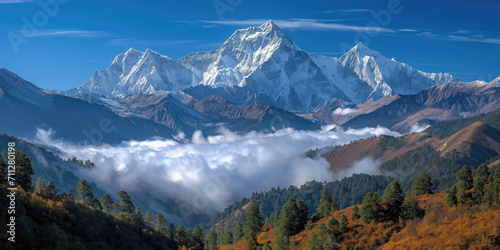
(465,216)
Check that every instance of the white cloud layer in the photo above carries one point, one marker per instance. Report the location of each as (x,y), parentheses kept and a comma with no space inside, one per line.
(211,172)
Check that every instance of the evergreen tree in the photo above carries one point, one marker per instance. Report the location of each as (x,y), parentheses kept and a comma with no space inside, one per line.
(451,199)
(496,183)
(160,222)
(212,239)
(370,208)
(411,210)
(253,225)
(24,170)
(325,205)
(422,185)
(125,204)
(237,232)
(106,202)
(355,213)
(51,191)
(393,196)
(85,192)
(137,218)
(343,223)
(481,177)
(321,239)
(181,235)
(149,219)
(464,179)
(292,220)
(170,230)
(198,236)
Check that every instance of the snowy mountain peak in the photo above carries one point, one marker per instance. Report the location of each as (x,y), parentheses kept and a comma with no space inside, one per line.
(362,50)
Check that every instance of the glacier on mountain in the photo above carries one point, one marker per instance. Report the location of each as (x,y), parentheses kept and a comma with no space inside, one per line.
(262,65)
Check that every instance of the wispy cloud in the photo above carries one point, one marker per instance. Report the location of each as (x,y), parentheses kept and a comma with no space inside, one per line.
(14,1)
(407,30)
(66,33)
(459,32)
(348,11)
(472,39)
(426,34)
(131,41)
(302,24)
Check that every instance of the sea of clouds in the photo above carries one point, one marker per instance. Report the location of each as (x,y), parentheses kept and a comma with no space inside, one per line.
(210,172)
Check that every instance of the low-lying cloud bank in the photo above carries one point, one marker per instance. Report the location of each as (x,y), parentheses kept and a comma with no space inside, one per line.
(209,173)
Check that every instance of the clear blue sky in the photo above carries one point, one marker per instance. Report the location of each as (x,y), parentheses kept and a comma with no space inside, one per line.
(78,37)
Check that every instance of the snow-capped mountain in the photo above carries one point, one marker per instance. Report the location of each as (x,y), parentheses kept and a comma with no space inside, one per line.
(385,76)
(262,65)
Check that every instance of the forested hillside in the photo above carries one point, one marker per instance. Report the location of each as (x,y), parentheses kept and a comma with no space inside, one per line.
(465,216)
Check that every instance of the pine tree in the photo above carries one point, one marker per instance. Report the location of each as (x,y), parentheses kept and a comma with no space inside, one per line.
(125,204)
(3,170)
(292,220)
(253,225)
(170,229)
(160,222)
(343,223)
(85,191)
(325,203)
(393,196)
(422,185)
(181,235)
(212,239)
(198,236)
(451,199)
(137,218)
(496,183)
(24,170)
(464,179)
(237,232)
(355,213)
(370,208)
(481,177)
(149,219)
(106,202)
(411,210)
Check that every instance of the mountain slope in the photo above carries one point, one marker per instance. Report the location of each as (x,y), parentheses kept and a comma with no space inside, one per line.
(28,108)
(437,103)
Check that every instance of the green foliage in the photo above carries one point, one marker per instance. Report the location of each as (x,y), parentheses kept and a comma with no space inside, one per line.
(411,210)
(370,209)
(237,232)
(464,179)
(355,213)
(149,219)
(326,203)
(346,192)
(321,238)
(125,205)
(292,220)
(253,225)
(85,192)
(212,239)
(344,222)
(24,170)
(198,236)
(422,185)
(451,199)
(181,235)
(107,202)
(496,183)
(160,222)
(481,178)
(393,196)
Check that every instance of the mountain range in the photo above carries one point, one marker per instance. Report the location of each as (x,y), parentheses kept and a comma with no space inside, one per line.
(262,65)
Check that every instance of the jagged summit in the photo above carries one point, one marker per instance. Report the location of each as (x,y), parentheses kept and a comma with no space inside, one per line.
(264,65)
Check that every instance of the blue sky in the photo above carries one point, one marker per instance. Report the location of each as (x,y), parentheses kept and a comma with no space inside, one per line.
(60,46)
